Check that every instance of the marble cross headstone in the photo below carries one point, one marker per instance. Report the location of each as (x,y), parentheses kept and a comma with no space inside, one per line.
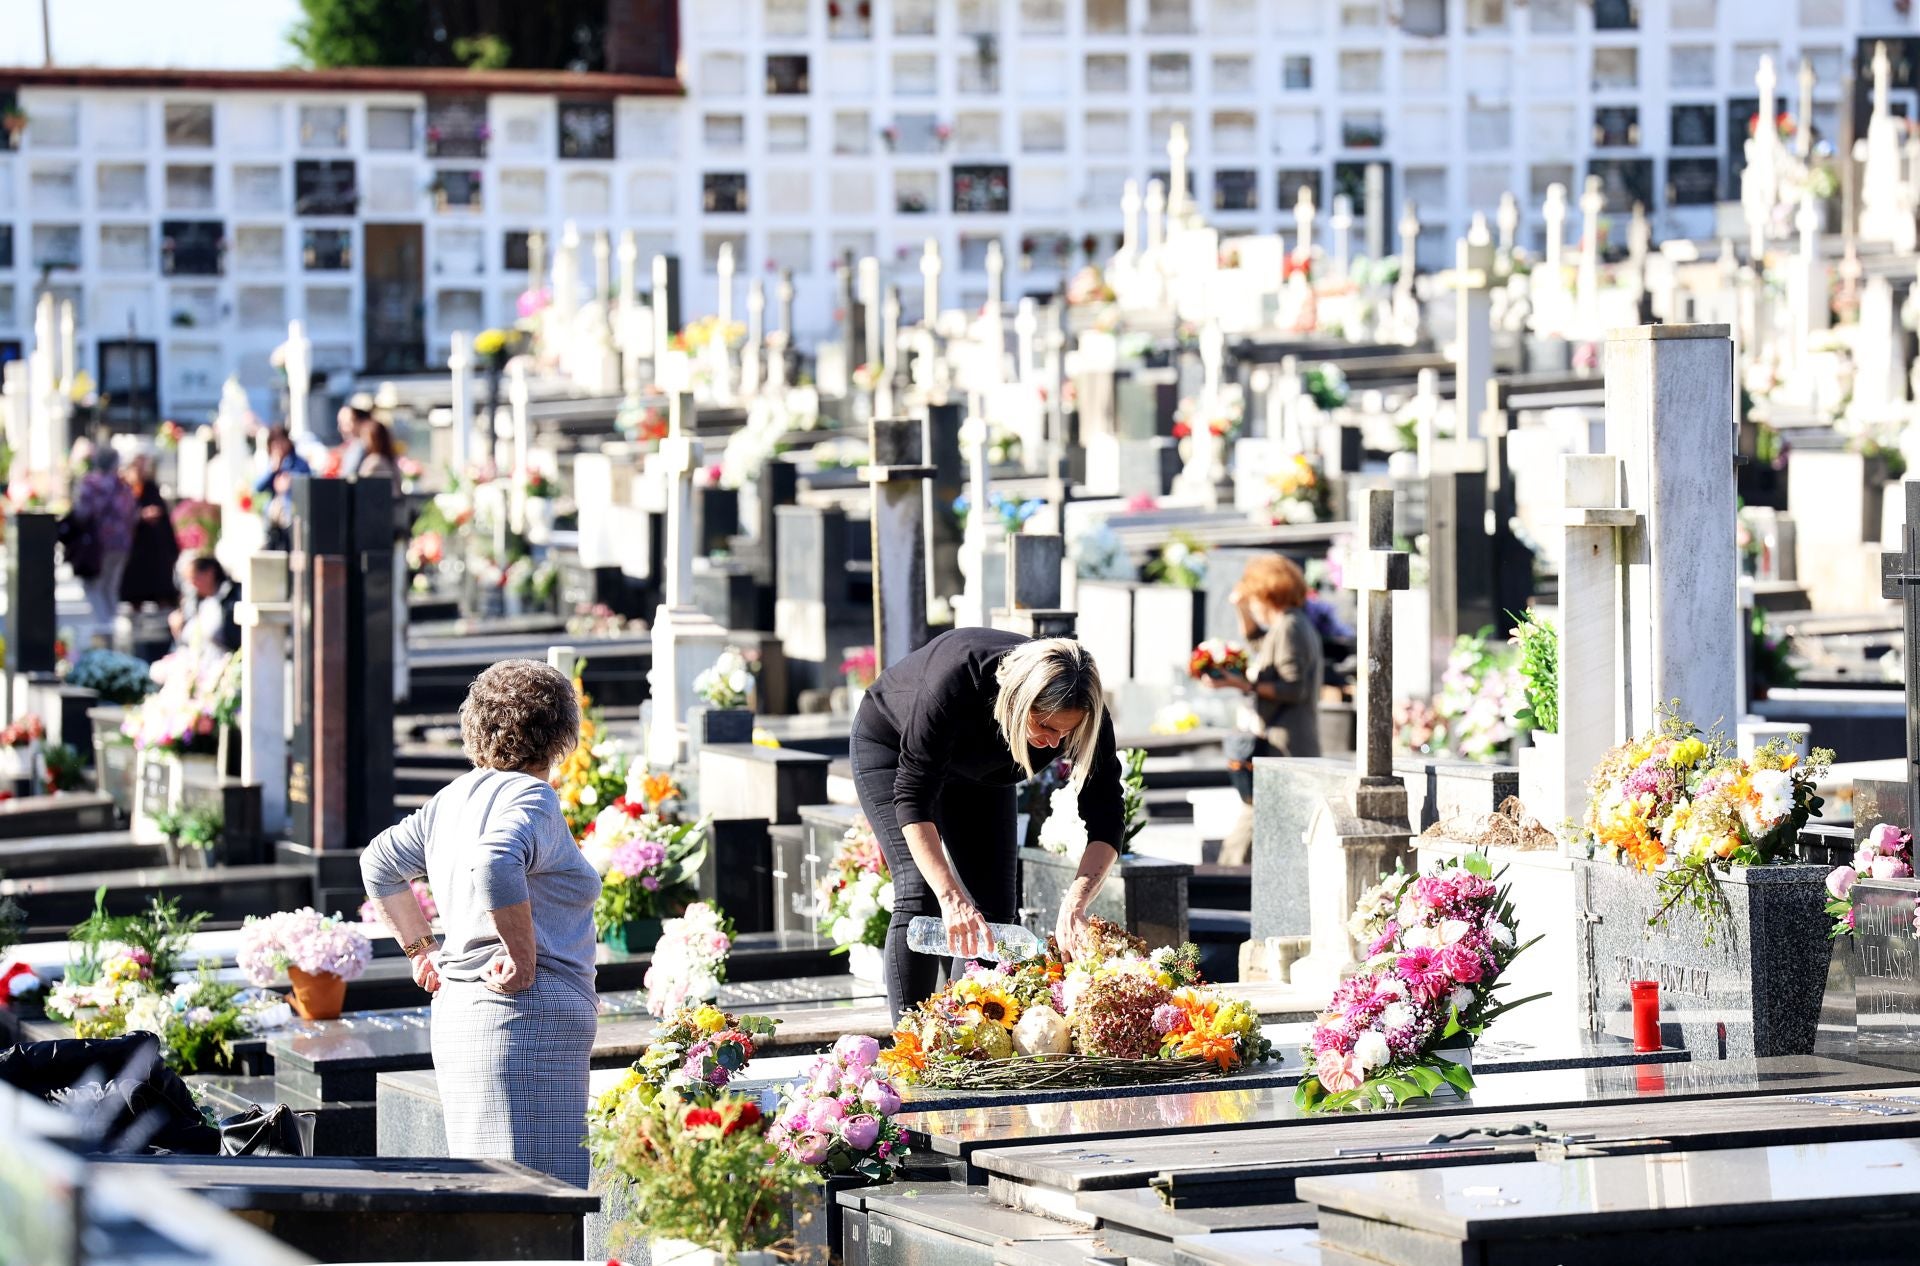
(603,269)
(1553,212)
(265,617)
(1156,215)
(1473,327)
(1303,215)
(1592,203)
(1508,220)
(1376,573)
(1342,225)
(1129,223)
(460,366)
(1374,184)
(1409,246)
(896,475)
(723,269)
(1900,580)
(1026,325)
(1177,149)
(756,334)
(685,639)
(1589,623)
(298,362)
(930,283)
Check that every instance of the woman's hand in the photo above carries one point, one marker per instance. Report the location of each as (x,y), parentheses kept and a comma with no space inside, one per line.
(1071,927)
(1225,680)
(506,975)
(426,972)
(966,928)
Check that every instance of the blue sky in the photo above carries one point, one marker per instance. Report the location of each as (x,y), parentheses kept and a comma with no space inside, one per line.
(175,34)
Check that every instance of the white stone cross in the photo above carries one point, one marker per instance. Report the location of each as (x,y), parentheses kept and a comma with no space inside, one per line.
(1409,246)
(1508,220)
(869,295)
(1472,281)
(930,283)
(1376,572)
(723,269)
(1026,325)
(297,360)
(1129,223)
(1156,215)
(996,275)
(756,333)
(1592,203)
(1178,148)
(460,366)
(265,616)
(1553,212)
(603,270)
(685,640)
(1303,214)
(1590,626)
(68,363)
(1803,138)
(1342,225)
(566,282)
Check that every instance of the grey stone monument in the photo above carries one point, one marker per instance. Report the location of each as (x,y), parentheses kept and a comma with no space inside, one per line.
(897,477)
(1034,561)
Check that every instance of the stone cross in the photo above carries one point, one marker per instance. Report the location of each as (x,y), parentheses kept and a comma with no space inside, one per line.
(996,278)
(930,283)
(518,399)
(1554,213)
(662,331)
(460,365)
(1760,181)
(1900,580)
(1026,324)
(1376,573)
(603,270)
(1375,185)
(1807,287)
(785,296)
(1303,213)
(723,268)
(1590,623)
(265,616)
(1426,414)
(1508,220)
(68,364)
(1205,469)
(890,357)
(298,363)
(756,334)
(41,456)
(1803,139)
(1129,223)
(1669,411)
(566,282)
(685,639)
(1473,326)
(874,340)
(1342,225)
(1592,203)
(896,475)
(1177,149)
(1156,215)
(1886,200)
(1409,246)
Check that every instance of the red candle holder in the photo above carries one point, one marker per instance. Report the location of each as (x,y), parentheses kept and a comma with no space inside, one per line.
(1646,1015)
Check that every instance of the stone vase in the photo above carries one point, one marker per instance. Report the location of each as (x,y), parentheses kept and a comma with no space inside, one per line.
(635,936)
(868,963)
(317,995)
(1755,990)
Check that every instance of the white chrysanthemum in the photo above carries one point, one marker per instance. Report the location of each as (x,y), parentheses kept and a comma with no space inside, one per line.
(1502,934)
(1774,787)
(1462,998)
(1371,1047)
(1452,930)
(149,1013)
(1063,831)
(1397,1015)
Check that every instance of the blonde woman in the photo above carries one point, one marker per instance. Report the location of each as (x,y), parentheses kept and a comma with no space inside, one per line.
(514,1005)
(940,742)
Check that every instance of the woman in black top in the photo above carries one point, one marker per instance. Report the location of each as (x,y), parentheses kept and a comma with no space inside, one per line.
(940,742)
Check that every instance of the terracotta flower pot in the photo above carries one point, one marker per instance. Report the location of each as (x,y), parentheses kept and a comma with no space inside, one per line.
(317,996)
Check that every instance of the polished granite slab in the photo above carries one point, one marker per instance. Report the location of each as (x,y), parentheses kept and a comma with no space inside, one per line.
(963,1132)
(1249,1248)
(1826,1202)
(1263,1167)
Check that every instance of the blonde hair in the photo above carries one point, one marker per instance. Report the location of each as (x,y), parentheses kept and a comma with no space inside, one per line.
(1051,674)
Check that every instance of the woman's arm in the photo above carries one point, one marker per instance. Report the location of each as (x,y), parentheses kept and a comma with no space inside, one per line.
(1072,923)
(396,858)
(501,861)
(514,968)
(966,927)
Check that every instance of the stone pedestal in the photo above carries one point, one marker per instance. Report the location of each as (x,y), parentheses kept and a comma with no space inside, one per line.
(768,784)
(1754,991)
(266,623)
(1357,833)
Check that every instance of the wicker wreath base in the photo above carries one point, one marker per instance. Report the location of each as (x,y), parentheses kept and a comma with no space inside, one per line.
(1052,1072)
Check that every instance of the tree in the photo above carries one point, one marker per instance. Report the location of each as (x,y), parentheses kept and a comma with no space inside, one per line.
(337,33)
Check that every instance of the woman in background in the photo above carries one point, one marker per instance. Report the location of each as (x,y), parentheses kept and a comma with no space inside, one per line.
(155,554)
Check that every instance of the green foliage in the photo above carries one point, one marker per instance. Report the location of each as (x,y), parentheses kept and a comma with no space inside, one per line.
(1539,644)
(12,918)
(65,770)
(344,33)
(1133,795)
(116,678)
(198,827)
(482,52)
(160,931)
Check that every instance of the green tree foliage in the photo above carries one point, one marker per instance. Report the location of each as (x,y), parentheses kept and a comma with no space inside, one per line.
(340,33)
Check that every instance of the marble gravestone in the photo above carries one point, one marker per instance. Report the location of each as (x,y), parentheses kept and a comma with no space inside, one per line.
(1886,969)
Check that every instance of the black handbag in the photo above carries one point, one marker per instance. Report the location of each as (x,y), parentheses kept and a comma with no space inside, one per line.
(275,1131)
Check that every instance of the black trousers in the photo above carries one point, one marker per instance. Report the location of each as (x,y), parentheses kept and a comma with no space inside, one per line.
(976,821)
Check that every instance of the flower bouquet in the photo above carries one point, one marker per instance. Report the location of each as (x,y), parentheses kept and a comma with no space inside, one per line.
(1116,1015)
(1886,853)
(725,685)
(594,774)
(1181,561)
(1436,948)
(648,870)
(1216,658)
(1297,494)
(319,953)
(856,899)
(690,960)
(198,694)
(695,1053)
(838,1118)
(1682,804)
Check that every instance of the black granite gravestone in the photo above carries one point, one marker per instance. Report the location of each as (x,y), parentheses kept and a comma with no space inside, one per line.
(1886,968)
(192,248)
(324,187)
(30,609)
(941,444)
(586,129)
(457,127)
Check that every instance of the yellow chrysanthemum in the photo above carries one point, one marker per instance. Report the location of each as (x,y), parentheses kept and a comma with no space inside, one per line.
(710,1019)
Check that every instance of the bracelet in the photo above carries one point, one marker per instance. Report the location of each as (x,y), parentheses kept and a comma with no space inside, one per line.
(415,947)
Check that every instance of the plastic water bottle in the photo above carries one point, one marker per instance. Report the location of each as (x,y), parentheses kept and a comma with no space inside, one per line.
(1011,942)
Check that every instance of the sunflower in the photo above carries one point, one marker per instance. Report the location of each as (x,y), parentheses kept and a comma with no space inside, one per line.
(996,1006)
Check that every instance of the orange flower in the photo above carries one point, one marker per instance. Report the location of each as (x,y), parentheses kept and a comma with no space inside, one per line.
(656,788)
(906,1056)
(1217,1048)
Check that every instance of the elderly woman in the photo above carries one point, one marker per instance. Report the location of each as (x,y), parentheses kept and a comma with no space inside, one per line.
(514,1003)
(938,745)
(1282,682)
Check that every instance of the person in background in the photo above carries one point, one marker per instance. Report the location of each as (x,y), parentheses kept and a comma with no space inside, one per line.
(381,460)
(155,554)
(210,618)
(1285,667)
(276,483)
(99,536)
(514,1002)
(353,418)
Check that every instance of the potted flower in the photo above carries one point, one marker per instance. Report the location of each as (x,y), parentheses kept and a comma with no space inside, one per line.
(648,868)
(856,901)
(537,507)
(20,755)
(724,690)
(1544,788)
(318,953)
(705,1177)
(837,1120)
(690,959)
(860,667)
(191,834)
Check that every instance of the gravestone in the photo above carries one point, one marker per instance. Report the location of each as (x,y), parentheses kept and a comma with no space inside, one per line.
(819,609)
(265,616)
(30,595)
(1886,969)
(1341,825)
(897,475)
(1034,562)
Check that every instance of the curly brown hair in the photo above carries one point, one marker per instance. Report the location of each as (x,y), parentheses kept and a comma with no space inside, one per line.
(519,714)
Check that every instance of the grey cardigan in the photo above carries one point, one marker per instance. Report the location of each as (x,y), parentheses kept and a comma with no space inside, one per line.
(1288,658)
(488,840)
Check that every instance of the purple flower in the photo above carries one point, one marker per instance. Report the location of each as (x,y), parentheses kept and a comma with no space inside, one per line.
(860,1132)
(650,882)
(882,1096)
(1166,1018)
(857,1050)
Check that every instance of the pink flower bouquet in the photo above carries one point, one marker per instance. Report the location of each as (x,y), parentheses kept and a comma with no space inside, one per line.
(316,943)
(838,1118)
(1436,948)
(1886,853)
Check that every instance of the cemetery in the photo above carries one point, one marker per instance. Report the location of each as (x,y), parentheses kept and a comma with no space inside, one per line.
(1381,763)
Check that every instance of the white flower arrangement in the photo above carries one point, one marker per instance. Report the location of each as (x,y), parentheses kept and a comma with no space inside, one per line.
(690,962)
(726,684)
(1064,832)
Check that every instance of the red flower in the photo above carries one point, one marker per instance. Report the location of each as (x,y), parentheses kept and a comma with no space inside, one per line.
(698,1118)
(748,1116)
(1181,430)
